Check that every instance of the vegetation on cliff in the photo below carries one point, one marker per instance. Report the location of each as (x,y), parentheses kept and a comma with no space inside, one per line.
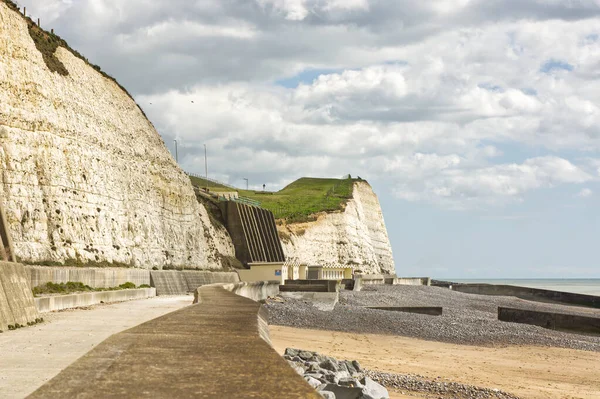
(48,42)
(298,202)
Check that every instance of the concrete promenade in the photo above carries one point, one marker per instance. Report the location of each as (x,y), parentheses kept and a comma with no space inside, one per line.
(33,355)
(213,349)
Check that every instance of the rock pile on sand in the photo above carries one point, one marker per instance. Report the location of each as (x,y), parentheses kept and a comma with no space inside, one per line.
(334,379)
(439,388)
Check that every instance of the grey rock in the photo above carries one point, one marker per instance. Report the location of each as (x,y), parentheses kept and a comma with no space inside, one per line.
(350,366)
(373,390)
(322,387)
(291,352)
(356,366)
(316,376)
(297,359)
(343,367)
(337,376)
(328,364)
(298,370)
(349,382)
(305,355)
(344,392)
(312,366)
(328,395)
(313,382)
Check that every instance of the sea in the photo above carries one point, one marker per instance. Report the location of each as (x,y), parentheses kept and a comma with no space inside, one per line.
(589,286)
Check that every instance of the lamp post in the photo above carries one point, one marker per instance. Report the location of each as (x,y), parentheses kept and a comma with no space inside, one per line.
(245,178)
(176,155)
(206,167)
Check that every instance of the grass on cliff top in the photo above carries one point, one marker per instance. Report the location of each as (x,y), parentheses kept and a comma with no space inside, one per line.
(212,186)
(297,202)
(302,199)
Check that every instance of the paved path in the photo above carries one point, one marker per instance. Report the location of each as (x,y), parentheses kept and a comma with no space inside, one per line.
(31,356)
(214,349)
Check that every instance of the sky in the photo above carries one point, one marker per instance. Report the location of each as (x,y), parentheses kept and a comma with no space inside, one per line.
(477,122)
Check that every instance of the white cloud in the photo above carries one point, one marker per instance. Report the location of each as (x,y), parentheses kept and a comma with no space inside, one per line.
(461,103)
(585,193)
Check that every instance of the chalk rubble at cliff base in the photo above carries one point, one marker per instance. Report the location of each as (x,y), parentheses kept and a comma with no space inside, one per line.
(467,318)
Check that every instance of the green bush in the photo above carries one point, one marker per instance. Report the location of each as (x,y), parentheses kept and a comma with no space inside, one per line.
(127,285)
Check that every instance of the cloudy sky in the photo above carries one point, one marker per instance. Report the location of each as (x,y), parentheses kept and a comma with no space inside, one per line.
(477,122)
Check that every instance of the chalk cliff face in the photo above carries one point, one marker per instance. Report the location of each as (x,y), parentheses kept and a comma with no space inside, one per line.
(354,236)
(84,175)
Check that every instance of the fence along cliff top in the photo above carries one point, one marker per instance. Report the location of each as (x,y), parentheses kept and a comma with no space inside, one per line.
(7,253)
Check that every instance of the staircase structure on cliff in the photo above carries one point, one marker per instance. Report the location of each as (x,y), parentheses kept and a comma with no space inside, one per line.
(253,232)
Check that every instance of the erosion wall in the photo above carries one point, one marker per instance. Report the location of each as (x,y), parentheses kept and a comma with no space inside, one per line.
(84,176)
(534,294)
(16,300)
(356,236)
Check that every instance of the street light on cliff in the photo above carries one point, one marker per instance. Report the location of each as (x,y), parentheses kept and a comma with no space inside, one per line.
(245,178)
(176,155)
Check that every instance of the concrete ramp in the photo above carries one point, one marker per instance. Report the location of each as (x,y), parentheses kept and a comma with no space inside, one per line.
(16,300)
(176,282)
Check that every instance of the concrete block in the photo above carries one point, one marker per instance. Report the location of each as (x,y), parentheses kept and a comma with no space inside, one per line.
(550,320)
(176,282)
(16,300)
(324,301)
(428,310)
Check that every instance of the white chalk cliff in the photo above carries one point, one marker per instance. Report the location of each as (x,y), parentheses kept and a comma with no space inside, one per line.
(84,175)
(357,236)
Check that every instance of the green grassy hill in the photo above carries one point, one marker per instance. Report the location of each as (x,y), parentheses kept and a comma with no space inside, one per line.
(298,201)
(305,197)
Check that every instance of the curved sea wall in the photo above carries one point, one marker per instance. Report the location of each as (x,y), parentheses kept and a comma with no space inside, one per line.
(84,176)
(357,236)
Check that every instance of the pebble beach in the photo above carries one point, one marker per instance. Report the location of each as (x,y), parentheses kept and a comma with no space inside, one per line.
(467,318)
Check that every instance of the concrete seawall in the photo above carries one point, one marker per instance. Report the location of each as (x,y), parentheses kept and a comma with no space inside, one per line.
(59,302)
(94,277)
(554,321)
(175,282)
(16,300)
(534,294)
(216,348)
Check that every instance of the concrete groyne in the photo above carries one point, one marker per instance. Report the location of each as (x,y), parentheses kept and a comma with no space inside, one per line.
(533,294)
(551,320)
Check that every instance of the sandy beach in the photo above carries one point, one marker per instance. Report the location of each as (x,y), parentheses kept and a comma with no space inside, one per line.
(527,371)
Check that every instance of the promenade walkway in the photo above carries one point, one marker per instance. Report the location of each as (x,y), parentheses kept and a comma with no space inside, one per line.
(33,355)
(215,349)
